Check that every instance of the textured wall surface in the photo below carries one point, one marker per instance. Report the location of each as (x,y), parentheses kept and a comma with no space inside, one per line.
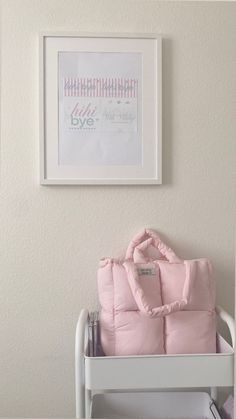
(52,237)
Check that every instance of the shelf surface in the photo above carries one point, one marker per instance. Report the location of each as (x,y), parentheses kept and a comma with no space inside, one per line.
(161,371)
(191,405)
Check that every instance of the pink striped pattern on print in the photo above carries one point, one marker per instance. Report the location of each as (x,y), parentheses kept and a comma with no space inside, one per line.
(119,87)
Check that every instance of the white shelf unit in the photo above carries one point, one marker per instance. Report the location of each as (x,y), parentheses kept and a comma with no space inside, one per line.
(149,372)
(162,405)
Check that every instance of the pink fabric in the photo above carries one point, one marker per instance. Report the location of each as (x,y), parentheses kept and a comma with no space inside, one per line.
(144,291)
(156,306)
(228,408)
(190,332)
(155,240)
(202,292)
(134,333)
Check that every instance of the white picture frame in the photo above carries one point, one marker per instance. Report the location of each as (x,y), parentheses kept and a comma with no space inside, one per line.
(100,109)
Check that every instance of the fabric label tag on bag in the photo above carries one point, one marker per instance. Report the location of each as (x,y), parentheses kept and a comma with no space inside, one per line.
(146,271)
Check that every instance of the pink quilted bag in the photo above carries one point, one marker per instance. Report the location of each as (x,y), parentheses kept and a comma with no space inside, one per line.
(154,303)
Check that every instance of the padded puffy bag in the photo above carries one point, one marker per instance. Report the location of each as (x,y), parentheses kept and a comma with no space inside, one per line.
(152,302)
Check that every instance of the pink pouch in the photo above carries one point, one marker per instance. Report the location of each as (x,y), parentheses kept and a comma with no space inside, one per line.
(147,292)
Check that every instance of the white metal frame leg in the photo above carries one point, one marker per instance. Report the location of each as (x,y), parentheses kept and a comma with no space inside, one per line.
(214,393)
(231,325)
(228,320)
(79,364)
(88,402)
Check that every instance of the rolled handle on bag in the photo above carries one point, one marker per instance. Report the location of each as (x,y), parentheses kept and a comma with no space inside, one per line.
(141,300)
(145,239)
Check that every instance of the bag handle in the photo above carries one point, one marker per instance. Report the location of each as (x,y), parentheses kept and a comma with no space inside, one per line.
(139,296)
(145,239)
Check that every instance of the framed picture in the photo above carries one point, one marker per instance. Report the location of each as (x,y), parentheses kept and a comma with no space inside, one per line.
(100,105)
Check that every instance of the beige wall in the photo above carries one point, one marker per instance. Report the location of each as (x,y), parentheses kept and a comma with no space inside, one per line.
(52,237)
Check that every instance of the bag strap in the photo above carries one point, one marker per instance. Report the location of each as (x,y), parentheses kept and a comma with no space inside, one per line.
(145,239)
(139,296)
